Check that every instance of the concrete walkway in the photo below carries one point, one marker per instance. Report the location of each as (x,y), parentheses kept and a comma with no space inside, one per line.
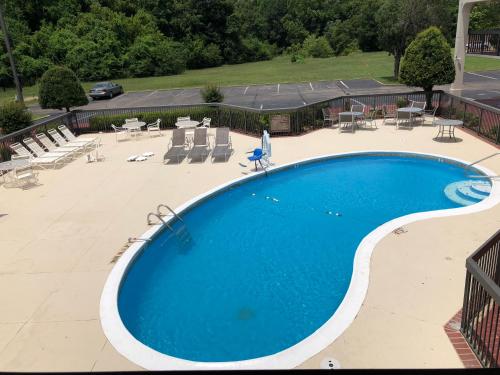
(57,241)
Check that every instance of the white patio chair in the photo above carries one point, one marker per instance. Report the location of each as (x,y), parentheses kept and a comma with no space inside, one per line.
(21,151)
(120,133)
(206,122)
(403,119)
(25,174)
(52,147)
(154,128)
(328,118)
(429,116)
(359,108)
(73,140)
(389,116)
(39,152)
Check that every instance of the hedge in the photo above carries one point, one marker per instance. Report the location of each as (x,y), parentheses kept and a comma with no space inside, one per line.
(168,119)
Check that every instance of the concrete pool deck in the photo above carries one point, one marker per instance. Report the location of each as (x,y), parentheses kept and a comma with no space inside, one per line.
(58,239)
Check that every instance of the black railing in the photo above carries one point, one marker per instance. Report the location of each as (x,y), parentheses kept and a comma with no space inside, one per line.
(481,310)
(479,118)
(485,42)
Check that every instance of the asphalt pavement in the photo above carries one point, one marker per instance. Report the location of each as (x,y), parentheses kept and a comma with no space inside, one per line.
(481,86)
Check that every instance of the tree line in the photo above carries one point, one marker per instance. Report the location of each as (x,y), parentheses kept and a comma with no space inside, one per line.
(104,39)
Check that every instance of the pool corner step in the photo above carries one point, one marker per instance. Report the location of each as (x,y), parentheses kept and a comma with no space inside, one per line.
(466,193)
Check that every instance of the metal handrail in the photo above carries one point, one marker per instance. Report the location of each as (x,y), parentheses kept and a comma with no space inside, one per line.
(168,208)
(158,217)
(483,159)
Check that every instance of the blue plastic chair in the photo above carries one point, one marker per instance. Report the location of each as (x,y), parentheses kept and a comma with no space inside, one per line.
(256,157)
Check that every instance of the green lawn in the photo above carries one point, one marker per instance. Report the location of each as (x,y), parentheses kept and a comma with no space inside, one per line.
(376,65)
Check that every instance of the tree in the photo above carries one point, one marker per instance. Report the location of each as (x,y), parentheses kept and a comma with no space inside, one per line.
(14,116)
(399,21)
(428,62)
(60,88)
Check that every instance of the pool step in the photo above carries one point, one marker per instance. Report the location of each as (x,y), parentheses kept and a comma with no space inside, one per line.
(466,193)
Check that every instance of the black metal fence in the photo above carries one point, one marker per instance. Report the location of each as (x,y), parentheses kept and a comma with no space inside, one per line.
(481,310)
(479,118)
(485,42)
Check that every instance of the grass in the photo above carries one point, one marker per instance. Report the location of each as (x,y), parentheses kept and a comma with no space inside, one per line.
(377,65)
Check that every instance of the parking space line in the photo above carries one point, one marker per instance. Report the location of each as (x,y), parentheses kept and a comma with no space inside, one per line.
(343,84)
(496,92)
(278,88)
(312,88)
(246,90)
(261,106)
(482,75)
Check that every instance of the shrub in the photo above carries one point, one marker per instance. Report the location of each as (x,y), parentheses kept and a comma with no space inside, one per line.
(257,50)
(211,93)
(168,119)
(60,88)
(317,47)
(13,117)
(427,62)
(340,39)
(200,55)
(401,102)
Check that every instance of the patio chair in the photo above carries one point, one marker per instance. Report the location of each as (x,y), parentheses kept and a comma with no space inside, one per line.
(223,146)
(420,105)
(72,139)
(20,150)
(154,128)
(370,120)
(346,122)
(257,155)
(359,108)
(201,145)
(403,119)
(429,116)
(38,151)
(25,174)
(328,117)
(205,123)
(52,147)
(389,115)
(120,132)
(177,145)
(61,141)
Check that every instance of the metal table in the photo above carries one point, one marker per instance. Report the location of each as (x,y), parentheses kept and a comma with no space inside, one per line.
(133,125)
(412,111)
(451,124)
(187,124)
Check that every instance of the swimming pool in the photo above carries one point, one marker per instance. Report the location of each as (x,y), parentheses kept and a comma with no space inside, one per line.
(258,269)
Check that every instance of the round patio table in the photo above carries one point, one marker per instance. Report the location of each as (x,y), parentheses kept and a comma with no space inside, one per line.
(134,125)
(412,110)
(447,123)
(187,124)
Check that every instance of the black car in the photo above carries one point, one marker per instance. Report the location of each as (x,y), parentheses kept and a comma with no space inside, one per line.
(105,90)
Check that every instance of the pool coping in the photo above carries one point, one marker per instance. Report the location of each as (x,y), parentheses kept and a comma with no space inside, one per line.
(126,344)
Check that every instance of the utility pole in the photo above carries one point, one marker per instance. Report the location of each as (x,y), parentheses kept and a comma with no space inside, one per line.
(19,89)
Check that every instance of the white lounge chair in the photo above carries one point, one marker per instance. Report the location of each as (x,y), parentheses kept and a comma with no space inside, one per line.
(223,146)
(52,147)
(177,145)
(154,128)
(71,138)
(20,150)
(36,149)
(201,145)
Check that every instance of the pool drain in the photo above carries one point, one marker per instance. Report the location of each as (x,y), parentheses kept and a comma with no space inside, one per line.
(329,363)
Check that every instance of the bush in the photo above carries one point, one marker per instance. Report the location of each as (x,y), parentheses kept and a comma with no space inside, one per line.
(340,38)
(212,94)
(257,50)
(200,55)
(60,88)
(427,62)
(401,102)
(317,47)
(168,119)
(13,117)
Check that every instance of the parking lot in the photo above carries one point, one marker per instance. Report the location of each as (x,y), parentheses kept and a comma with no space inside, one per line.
(480,86)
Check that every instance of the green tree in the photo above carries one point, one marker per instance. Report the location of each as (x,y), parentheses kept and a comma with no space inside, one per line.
(428,62)
(60,88)
(13,117)
(317,47)
(399,21)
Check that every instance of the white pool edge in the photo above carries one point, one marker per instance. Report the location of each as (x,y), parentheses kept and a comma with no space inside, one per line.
(150,359)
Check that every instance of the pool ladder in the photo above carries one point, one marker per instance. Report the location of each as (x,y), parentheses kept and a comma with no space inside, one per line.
(159,216)
(480,160)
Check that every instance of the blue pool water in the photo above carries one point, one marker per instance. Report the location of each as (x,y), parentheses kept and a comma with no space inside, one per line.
(260,267)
